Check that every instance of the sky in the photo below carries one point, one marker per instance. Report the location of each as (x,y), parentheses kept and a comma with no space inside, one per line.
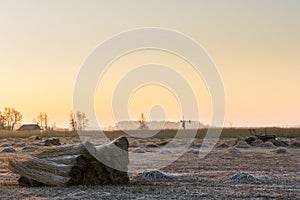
(255,46)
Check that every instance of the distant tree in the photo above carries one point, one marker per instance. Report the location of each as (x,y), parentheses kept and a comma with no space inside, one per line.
(53,126)
(73,123)
(10,118)
(46,120)
(16,118)
(2,121)
(82,121)
(42,120)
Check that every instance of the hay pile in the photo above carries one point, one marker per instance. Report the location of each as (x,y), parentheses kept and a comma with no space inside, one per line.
(165,152)
(242,144)
(134,144)
(153,175)
(8,150)
(193,151)
(257,142)
(295,144)
(267,144)
(231,152)
(281,151)
(223,146)
(74,165)
(244,178)
(139,150)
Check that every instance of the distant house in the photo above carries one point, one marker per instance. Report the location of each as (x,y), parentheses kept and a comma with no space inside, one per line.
(29,127)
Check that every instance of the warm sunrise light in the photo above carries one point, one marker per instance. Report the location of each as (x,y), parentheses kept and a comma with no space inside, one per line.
(255,48)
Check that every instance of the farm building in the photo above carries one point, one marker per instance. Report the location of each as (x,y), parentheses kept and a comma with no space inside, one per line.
(29,127)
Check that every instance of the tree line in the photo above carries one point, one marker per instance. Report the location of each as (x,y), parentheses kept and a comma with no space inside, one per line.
(10,117)
(78,121)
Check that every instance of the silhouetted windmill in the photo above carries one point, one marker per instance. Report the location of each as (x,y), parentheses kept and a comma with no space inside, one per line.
(143,122)
(184,121)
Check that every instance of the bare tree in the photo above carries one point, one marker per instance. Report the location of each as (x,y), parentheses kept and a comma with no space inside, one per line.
(42,120)
(46,120)
(2,121)
(53,126)
(16,118)
(10,118)
(73,123)
(82,121)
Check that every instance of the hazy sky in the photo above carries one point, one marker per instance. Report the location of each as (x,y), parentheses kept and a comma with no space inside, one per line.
(255,45)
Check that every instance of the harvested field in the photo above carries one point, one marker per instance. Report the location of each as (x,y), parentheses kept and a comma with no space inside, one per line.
(222,174)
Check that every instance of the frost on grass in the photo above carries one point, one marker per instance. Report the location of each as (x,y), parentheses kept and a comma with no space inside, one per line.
(244,178)
(281,151)
(151,175)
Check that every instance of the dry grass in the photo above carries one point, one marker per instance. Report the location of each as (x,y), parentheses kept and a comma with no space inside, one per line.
(226,133)
(25,134)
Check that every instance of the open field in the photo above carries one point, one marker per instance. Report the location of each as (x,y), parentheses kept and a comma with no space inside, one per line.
(226,132)
(278,174)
